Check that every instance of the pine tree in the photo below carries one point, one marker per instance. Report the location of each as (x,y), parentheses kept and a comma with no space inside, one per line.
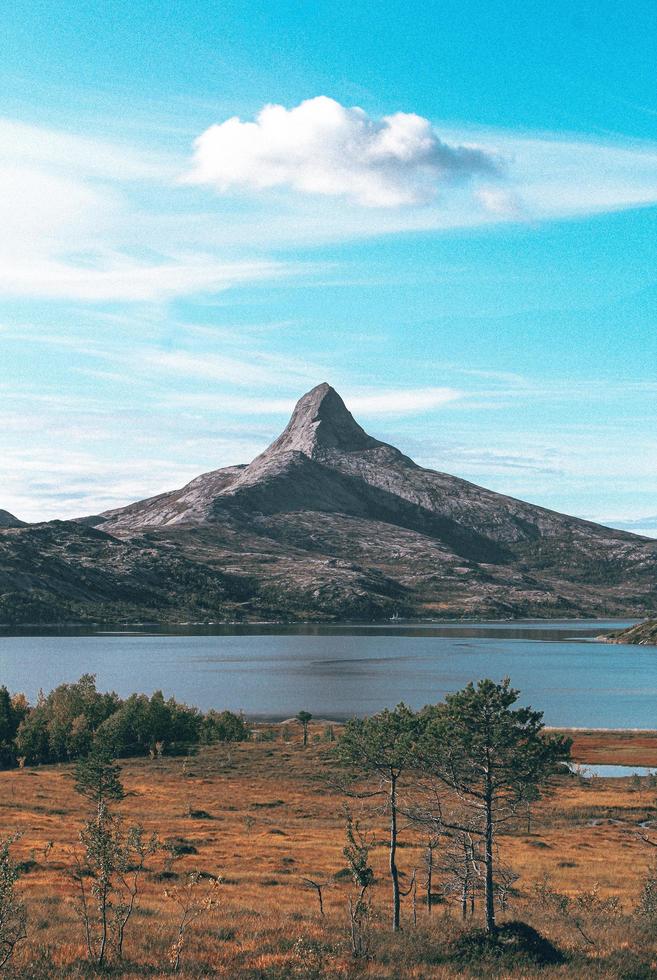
(493,758)
(97,777)
(304,717)
(382,746)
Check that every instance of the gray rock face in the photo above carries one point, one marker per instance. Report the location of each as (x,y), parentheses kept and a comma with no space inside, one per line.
(330,523)
(320,423)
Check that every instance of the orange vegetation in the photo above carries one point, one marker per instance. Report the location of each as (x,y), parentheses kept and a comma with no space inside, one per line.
(261,815)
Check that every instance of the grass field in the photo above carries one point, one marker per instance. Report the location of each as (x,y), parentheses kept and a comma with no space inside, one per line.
(262,816)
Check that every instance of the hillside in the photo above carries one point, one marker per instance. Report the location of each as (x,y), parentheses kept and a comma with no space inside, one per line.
(8,520)
(327,523)
(643,634)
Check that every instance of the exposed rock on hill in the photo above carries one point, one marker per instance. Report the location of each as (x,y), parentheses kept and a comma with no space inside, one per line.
(330,523)
(643,634)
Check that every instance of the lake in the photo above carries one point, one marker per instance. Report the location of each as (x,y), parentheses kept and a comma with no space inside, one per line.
(587,771)
(337,671)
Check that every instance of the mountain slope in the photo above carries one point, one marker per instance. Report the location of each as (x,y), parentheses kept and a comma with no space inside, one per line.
(643,634)
(329,522)
(8,520)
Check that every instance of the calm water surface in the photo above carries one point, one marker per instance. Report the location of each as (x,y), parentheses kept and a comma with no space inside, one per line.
(335,672)
(612,772)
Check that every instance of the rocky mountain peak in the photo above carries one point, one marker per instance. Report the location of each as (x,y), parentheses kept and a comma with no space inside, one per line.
(321,421)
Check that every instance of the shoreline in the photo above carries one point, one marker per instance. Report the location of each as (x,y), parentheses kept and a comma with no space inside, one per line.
(324,624)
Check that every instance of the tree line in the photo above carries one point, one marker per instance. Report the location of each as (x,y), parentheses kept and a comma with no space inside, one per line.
(72,719)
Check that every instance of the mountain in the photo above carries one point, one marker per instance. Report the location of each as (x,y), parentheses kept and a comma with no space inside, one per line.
(327,523)
(8,520)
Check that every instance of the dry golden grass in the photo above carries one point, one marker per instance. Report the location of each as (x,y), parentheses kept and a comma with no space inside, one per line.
(271,819)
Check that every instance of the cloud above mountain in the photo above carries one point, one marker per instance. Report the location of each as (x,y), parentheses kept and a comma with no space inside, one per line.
(322,147)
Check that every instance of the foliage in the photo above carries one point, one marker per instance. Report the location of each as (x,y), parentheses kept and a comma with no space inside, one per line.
(97,776)
(108,870)
(492,758)
(12,713)
(13,919)
(62,725)
(382,744)
(74,718)
(223,726)
(515,944)
(357,852)
(304,718)
(383,747)
(647,907)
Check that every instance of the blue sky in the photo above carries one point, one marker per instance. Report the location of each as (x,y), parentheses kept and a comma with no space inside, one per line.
(447,210)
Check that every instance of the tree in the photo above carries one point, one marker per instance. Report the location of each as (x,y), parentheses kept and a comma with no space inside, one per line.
(13,920)
(304,718)
(108,872)
(9,721)
(357,852)
(383,747)
(97,777)
(112,859)
(223,726)
(492,759)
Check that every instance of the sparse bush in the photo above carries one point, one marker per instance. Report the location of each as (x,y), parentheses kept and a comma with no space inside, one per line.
(647,907)
(13,917)
(513,945)
(195,898)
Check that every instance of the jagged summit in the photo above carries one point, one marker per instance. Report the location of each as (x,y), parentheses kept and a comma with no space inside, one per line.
(8,520)
(321,421)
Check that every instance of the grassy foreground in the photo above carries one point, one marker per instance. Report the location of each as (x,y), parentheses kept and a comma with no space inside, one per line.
(262,817)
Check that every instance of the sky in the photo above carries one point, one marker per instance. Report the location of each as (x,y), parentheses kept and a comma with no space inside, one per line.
(445,209)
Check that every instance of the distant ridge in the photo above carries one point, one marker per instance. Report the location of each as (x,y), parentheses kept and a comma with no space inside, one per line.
(643,634)
(327,523)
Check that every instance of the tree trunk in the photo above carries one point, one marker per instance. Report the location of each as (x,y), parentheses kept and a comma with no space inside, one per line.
(488,857)
(394,874)
(430,877)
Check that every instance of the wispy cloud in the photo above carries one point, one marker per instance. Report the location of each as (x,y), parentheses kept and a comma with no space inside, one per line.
(119,278)
(260,369)
(75,225)
(370,404)
(402,401)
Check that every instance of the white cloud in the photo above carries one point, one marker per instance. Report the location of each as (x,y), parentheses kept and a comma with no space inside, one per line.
(116,277)
(322,147)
